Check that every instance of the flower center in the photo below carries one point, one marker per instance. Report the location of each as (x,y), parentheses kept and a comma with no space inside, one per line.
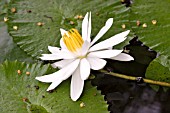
(73,40)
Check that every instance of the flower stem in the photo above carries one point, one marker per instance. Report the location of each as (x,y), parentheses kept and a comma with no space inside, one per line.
(136,78)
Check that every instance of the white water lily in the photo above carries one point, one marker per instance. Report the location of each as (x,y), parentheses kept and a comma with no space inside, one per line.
(78,54)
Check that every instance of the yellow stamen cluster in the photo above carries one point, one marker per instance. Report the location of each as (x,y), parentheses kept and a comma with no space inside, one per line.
(73,40)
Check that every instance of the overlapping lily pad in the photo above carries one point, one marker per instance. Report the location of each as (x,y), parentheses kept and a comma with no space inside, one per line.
(54,14)
(156,36)
(21,93)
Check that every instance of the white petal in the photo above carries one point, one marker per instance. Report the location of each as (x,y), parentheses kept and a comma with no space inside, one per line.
(62,31)
(114,40)
(110,48)
(70,68)
(85,27)
(77,85)
(62,44)
(89,29)
(123,57)
(50,57)
(105,53)
(62,63)
(65,54)
(49,78)
(104,29)
(62,74)
(84,69)
(53,50)
(54,84)
(85,48)
(96,63)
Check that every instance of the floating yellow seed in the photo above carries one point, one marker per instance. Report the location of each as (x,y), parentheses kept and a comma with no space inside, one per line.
(82,104)
(71,22)
(6,19)
(40,24)
(13,10)
(138,23)
(123,26)
(15,27)
(78,17)
(19,72)
(95,94)
(27,73)
(144,25)
(154,22)
(24,99)
(97,14)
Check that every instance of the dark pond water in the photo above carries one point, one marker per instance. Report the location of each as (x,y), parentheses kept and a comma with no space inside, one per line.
(125,96)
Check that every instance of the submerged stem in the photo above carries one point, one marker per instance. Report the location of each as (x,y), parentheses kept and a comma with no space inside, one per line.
(136,78)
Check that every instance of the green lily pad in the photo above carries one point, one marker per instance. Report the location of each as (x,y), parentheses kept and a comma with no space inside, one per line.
(3,6)
(8,49)
(156,36)
(158,72)
(55,14)
(21,93)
